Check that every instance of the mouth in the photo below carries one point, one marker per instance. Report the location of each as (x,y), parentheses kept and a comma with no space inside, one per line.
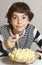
(20,26)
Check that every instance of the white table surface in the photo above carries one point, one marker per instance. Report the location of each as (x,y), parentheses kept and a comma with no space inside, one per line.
(7,61)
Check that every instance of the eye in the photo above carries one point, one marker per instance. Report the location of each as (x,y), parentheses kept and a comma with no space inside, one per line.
(14,17)
(23,17)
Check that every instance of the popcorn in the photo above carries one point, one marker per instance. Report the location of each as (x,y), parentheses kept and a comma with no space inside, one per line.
(17,37)
(22,54)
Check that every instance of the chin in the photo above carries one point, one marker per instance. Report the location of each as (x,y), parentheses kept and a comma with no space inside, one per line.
(20,30)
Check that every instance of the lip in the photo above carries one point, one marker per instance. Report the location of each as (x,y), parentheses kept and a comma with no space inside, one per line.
(20,26)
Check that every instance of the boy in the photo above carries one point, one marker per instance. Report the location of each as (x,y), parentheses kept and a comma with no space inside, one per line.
(19,17)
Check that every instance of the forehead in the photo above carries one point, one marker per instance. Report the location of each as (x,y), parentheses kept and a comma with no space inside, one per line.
(19,14)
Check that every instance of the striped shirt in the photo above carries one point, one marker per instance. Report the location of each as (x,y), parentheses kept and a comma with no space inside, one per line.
(37,39)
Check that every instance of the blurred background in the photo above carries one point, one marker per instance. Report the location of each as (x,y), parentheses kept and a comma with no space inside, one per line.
(36,8)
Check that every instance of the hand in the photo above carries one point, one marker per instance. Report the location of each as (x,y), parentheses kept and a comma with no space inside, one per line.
(10,42)
(33,59)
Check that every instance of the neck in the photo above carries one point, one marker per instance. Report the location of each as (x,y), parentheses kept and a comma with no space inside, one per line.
(16,32)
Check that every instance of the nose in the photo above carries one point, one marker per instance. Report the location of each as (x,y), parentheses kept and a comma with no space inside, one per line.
(19,21)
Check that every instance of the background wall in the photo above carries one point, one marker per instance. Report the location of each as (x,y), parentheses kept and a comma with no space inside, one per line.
(35,5)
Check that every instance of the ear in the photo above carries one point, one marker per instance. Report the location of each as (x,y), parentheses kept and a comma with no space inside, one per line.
(10,21)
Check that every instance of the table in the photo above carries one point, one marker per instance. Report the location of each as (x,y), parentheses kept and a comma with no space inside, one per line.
(8,61)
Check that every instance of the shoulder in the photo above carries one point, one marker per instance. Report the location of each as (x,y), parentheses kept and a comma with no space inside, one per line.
(4,31)
(30,27)
(4,27)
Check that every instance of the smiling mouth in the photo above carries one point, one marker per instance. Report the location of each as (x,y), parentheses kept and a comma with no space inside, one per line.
(19,26)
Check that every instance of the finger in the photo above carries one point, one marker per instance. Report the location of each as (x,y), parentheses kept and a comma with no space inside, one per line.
(37,55)
(11,38)
(30,61)
(11,44)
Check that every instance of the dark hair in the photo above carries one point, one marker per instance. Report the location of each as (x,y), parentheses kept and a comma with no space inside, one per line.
(20,7)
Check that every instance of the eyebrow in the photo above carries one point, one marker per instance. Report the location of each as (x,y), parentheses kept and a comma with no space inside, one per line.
(22,15)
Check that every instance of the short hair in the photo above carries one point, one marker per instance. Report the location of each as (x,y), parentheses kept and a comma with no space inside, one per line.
(20,7)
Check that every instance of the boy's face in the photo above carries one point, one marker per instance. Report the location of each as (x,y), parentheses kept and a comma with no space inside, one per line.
(19,21)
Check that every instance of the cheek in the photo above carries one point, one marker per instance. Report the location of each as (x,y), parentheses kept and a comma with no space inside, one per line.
(12,22)
(27,22)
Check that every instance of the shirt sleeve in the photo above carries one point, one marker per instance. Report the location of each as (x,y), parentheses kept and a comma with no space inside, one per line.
(37,37)
(3,52)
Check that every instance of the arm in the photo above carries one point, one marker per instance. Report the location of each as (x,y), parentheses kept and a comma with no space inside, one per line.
(6,45)
(38,39)
(2,51)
